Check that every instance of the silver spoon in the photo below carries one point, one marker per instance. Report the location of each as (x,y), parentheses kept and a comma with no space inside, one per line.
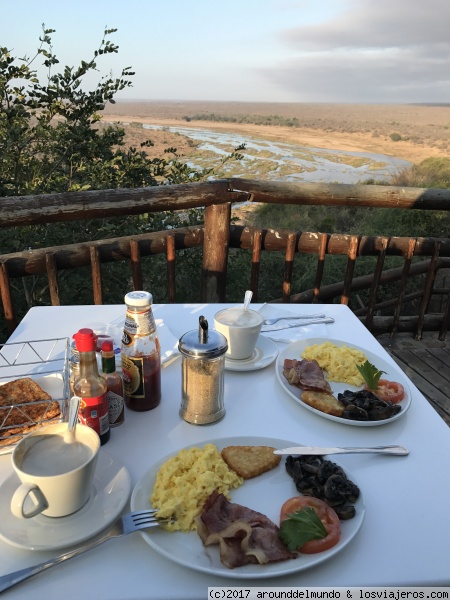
(275,320)
(247,298)
(69,436)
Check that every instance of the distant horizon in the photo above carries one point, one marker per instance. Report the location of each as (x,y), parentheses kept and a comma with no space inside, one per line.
(437,104)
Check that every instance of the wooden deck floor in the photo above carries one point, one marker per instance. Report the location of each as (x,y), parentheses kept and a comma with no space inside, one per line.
(427,364)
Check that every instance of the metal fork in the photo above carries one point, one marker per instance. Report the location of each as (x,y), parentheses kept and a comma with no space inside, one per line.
(123,526)
(275,320)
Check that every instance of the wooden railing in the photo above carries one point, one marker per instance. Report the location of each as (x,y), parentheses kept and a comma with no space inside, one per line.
(219,236)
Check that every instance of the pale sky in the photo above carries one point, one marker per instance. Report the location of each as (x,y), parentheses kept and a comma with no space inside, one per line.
(357,51)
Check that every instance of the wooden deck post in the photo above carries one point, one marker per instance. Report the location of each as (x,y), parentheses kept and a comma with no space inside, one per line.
(8,306)
(215,253)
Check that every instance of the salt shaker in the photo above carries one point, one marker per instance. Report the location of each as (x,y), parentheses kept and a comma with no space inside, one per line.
(203,367)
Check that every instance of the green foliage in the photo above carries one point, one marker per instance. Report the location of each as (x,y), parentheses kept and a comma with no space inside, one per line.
(433,172)
(395,137)
(51,141)
(251,119)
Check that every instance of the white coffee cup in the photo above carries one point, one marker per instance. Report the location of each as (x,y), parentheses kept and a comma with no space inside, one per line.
(56,475)
(241,327)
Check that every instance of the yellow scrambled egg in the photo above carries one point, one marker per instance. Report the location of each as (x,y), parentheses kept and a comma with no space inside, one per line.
(339,362)
(185,481)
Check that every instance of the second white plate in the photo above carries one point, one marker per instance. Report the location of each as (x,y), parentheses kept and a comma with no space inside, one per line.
(391,373)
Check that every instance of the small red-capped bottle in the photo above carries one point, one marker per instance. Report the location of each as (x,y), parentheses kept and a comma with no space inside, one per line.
(90,386)
(114,384)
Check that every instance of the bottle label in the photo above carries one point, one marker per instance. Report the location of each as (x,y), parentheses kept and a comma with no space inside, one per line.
(136,323)
(94,413)
(133,376)
(115,406)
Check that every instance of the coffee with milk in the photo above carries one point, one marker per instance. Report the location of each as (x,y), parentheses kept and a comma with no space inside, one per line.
(241,327)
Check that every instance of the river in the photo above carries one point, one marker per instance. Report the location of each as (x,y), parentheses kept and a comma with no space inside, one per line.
(265,159)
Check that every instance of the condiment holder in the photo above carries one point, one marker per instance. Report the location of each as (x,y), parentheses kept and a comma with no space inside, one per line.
(203,367)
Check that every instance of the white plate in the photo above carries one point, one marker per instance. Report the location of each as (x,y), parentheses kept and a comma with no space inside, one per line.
(263,356)
(264,494)
(111,489)
(390,372)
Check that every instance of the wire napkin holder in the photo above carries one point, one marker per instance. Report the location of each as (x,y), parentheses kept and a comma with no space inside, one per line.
(47,363)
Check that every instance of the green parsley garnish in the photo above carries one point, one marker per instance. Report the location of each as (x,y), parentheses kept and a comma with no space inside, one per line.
(370,374)
(300,527)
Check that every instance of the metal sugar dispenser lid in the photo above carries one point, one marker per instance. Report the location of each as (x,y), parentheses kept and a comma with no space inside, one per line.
(203,366)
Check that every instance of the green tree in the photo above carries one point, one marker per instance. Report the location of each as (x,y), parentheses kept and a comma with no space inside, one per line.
(51,141)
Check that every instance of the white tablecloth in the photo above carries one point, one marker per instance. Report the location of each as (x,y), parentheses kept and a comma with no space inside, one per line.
(404,539)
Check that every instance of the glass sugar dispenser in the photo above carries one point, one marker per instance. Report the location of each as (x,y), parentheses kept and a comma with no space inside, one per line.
(203,367)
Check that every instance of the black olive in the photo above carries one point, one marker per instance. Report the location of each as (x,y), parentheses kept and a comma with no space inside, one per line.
(347,511)
(325,480)
(335,489)
(352,491)
(355,413)
(305,483)
(310,464)
(289,464)
(304,487)
(326,469)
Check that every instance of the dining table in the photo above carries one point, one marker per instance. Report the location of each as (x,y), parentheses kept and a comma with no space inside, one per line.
(402,533)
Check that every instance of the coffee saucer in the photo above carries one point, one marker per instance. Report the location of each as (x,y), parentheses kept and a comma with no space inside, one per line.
(110,493)
(265,353)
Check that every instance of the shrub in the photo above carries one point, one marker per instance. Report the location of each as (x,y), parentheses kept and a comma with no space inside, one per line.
(395,137)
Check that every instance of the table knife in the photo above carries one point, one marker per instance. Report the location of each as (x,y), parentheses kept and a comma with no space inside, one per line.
(318,451)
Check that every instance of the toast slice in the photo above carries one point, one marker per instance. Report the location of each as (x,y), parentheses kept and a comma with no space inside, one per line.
(250,461)
(24,405)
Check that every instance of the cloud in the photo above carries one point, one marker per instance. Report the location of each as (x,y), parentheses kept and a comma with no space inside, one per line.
(377,24)
(372,51)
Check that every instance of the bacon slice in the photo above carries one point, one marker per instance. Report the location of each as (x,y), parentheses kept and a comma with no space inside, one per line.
(244,535)
(305,374)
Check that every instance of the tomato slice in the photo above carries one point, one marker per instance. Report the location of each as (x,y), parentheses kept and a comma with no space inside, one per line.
(389,390)
(325,513)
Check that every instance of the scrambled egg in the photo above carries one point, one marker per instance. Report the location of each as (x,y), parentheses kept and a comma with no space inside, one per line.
(339,362)
(185,481)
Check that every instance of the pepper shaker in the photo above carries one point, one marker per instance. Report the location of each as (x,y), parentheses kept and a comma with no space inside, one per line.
(203,367)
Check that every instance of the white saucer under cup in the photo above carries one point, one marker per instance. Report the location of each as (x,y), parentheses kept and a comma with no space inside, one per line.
(264,355)
(109,495)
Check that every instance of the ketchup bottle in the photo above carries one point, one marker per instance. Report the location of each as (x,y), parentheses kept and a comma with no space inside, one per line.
(141,354)
(90,386)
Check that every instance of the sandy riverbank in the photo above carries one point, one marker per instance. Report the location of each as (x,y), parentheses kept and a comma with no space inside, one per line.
(424,130)
(313,138)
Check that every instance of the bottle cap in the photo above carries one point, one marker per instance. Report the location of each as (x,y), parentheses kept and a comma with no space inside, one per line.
(138,299)
(85,339)
(107,345)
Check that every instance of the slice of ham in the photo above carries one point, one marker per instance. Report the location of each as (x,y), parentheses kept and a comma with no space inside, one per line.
(305,374)
(244,535)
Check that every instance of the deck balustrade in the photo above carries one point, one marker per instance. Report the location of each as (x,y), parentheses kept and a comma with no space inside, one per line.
(426,260)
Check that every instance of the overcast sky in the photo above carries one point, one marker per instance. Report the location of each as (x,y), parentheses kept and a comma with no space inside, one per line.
(362,51)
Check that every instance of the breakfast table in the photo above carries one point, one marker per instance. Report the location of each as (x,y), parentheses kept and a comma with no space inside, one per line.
(403,539)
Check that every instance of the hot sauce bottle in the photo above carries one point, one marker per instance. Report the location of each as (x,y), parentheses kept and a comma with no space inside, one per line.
(90,386)
(141,354)
(114,385)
